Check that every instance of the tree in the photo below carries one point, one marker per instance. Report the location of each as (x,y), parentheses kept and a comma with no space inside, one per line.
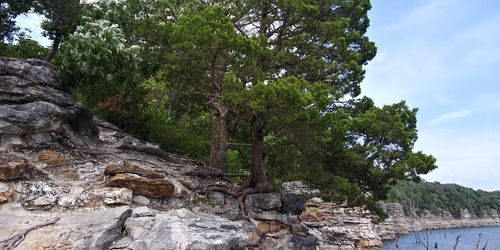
(313,40)
(374,147)
(280,108)
(205,46)
(302,61)
(62,16)
(7,25)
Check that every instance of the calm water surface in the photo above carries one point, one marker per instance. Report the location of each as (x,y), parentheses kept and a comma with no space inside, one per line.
(446,239)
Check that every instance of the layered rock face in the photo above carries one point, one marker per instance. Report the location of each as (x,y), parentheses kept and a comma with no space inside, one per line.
(33,108)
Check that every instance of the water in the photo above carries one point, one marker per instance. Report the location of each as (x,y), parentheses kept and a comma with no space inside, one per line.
(446,239)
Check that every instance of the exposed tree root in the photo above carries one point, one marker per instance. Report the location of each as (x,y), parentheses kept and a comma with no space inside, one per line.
(224,190)
(14,241)
(247,188)
(206,172)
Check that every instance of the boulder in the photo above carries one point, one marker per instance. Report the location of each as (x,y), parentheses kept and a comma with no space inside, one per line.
(114,169)
(182,229)
(12,166)
(72,230)
(153,188)
(282,207)
(141,199)
(33,106)
(263,201)
(293,203)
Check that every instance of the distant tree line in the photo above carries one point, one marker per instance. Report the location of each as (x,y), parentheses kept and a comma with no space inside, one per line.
(434,197)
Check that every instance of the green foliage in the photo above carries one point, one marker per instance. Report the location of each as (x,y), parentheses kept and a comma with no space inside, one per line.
(160,69)
(24,48)
(416,198)
(7,23)
(373,146)
(97,58)
(62,16)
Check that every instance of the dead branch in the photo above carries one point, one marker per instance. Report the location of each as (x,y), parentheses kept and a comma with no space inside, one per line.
(485,245)
(14,241)
(479,241)
(70,163)
(456,242)
(76,147)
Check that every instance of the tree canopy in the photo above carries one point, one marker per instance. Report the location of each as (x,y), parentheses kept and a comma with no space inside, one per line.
(268,88)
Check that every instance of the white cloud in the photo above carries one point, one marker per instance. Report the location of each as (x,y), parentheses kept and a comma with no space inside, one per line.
(468,159)
(32,22)
(446,117)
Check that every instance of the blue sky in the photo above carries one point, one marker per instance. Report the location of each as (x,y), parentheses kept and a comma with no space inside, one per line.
(30,23)
(443,57)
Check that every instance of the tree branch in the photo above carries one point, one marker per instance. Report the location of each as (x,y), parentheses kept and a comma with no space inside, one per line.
(15,240)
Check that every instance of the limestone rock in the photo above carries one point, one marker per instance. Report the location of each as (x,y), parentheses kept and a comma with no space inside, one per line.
(293,203)
(50,157)
(5,193)
(264,201)
(143,212)
(216,198)
(37,195)
(264,227)
(12,166)
(141,199)
(114,169)
(33,105)
(74,230)
(116,196)
(153,188)
(183,229)
(340,227)
(283,207)
(299,187)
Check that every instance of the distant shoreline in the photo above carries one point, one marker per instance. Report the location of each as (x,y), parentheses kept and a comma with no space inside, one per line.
(398,224)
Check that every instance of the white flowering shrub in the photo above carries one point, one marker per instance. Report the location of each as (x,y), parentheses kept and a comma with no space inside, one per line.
(97,53)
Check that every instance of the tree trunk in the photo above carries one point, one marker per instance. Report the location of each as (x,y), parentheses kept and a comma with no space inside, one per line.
(219,141)
(257,180)
(54,48)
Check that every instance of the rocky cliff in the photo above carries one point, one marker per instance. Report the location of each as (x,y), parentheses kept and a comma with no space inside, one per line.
(70,181)
(399,224)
